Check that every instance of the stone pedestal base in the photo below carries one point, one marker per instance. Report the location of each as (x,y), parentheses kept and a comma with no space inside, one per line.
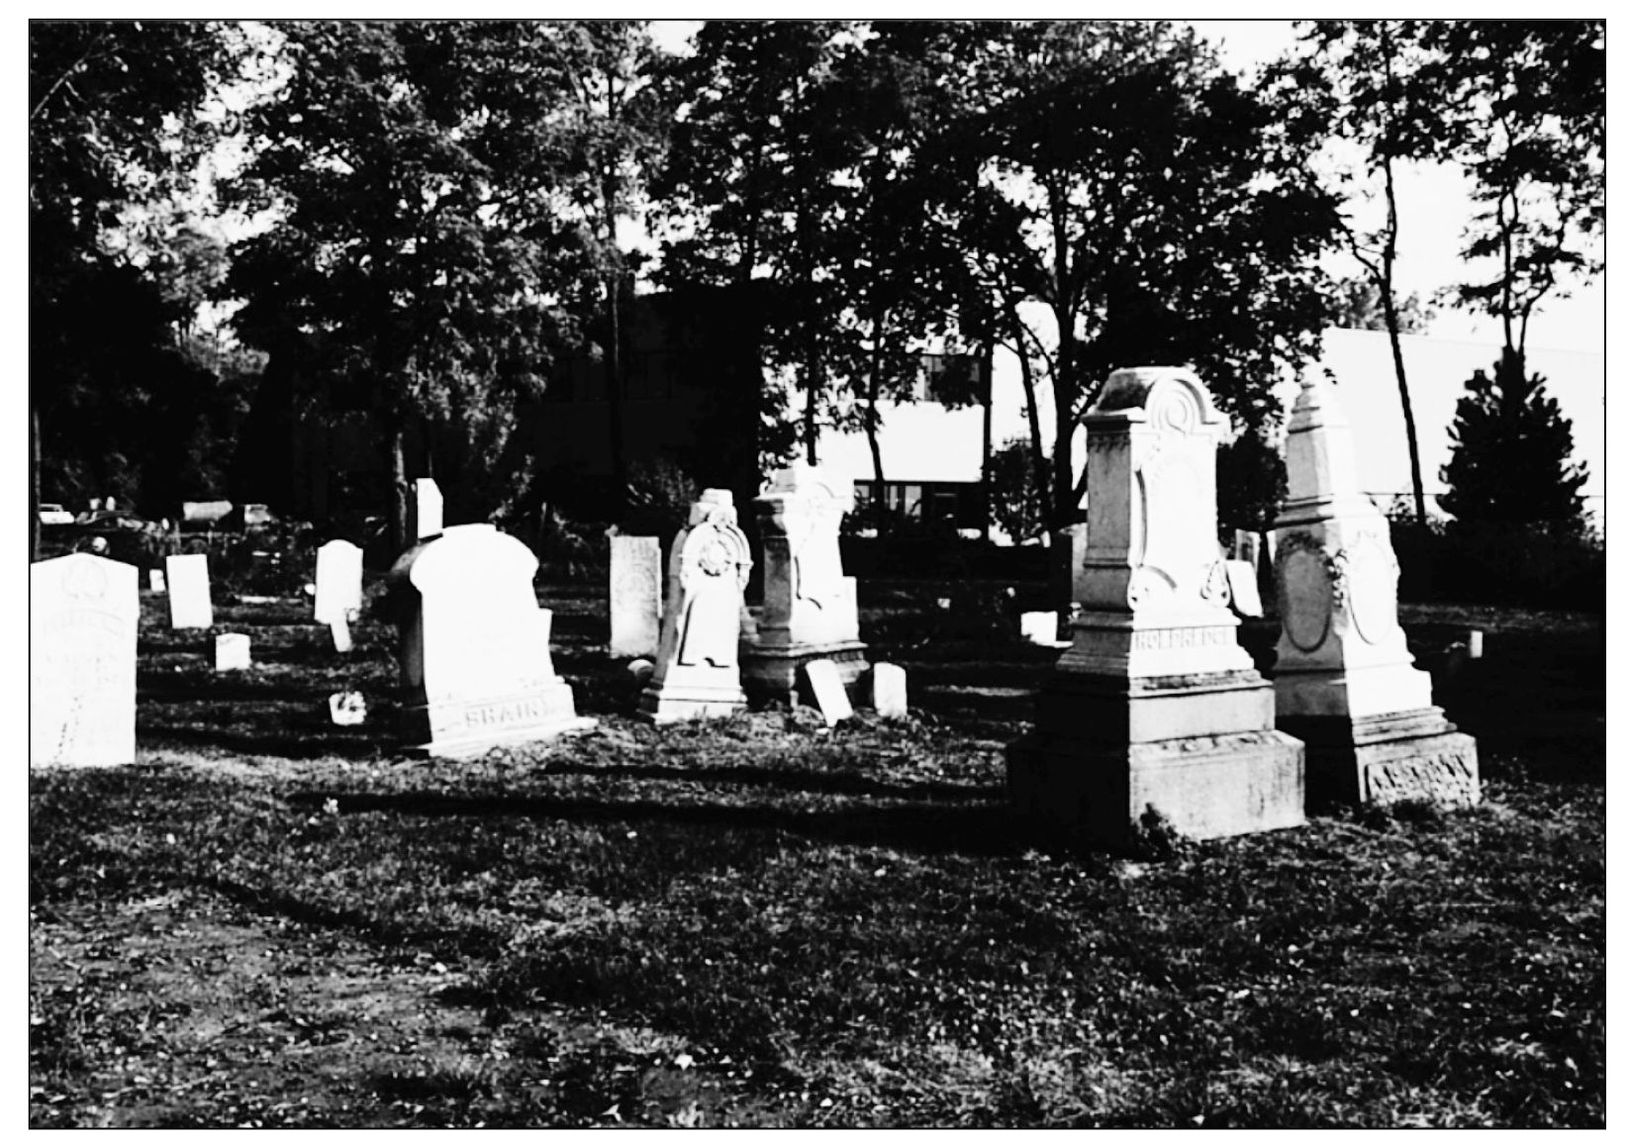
(1200,749)
(1385,759)
(774,673)
(661,703)
(1204,787)
(467,728)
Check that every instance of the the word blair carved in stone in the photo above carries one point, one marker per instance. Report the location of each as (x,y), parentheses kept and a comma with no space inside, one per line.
(1345,680)
(810,608)
(187,577)
(698,662)
(82,616)
(635,595)
(1155,705)
(474,646)
(339,582)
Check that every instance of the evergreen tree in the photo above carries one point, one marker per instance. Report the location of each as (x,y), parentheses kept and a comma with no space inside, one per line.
(1511,460)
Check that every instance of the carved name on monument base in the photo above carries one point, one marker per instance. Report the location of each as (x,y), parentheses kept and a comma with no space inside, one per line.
(459,728)
(1205,787)
(1416,755)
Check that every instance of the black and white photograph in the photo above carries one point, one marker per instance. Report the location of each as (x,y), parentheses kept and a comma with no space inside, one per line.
(800,573)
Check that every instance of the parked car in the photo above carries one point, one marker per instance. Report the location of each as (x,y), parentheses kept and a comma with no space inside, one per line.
(54,515)
(119,534)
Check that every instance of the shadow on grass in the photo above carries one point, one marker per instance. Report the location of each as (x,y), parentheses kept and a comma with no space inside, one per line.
(980,829)
(296,741)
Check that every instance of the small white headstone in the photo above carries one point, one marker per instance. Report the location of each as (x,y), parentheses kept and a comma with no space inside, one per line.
(155,581)
(888,696)
(339,581)
(829,695)
(1039,626)
(426,509)
(1246,545)
(1474,643)
(340,629)
(232,652)
(188,578)
(82,613)
(635,595)
(943,603)
(347,709)
(1246,594)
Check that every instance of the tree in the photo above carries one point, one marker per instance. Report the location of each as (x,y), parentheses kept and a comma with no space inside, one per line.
(1373,83)
(1528,123)
(1511,454)
(1251,483)
(1160,211)
(1018,491)
(422,246)
(113,120)
(1355,303)
(749,193)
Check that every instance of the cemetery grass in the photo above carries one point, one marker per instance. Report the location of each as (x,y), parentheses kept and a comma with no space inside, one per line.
(269,920)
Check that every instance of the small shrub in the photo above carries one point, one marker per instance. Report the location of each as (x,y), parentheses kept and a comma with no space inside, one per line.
(1157,840)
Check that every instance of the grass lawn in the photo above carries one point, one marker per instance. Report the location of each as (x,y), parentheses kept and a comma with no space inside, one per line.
(270,920)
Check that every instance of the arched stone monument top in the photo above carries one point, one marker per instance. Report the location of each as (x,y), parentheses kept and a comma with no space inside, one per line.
(1169,398)
(457,552)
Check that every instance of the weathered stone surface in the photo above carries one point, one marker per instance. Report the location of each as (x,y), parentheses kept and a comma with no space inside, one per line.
(474,645)
(1343,668)
(888,692)
(339,581)
(698,663)
(635,595)
(232,652)
(82,614)
(830,697)
(810,608)
(1155,704)
(188,580)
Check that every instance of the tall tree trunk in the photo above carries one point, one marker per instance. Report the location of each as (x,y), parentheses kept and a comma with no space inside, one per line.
(399,494)
(986,392)
(33,483)
(613,386)
(1387,297)
(873,417)
(1064,496)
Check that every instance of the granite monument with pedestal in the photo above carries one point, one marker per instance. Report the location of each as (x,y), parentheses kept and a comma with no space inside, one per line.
(810,608)
(475,664)
(1155,706)
(1345,681)
(698,663)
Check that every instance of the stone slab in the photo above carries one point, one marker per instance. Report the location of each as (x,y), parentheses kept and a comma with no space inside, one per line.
(1109,710)
(188,579)
(1244,589)
(889,696)
(338,581)
(155,581)
(1415,755)
(232,653)
(82,618)
(462,728)
(347,708)
(1039,626)
(339,630)
(778,673)
(830,696)
(1204,787)
(636,589)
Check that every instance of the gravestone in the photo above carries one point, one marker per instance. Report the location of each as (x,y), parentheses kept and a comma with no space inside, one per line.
(475,664)
(82,613)
(698,662)
(1039,626)
(1245,590)
(1345,680)
(232,652)
(347,708)
(187,577)
(830,696)
(888,695)
(339,630)
(810,608)
(635,595)
(1246,546)
(155,581)
(339,582)
(426,510)
(1155,705)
